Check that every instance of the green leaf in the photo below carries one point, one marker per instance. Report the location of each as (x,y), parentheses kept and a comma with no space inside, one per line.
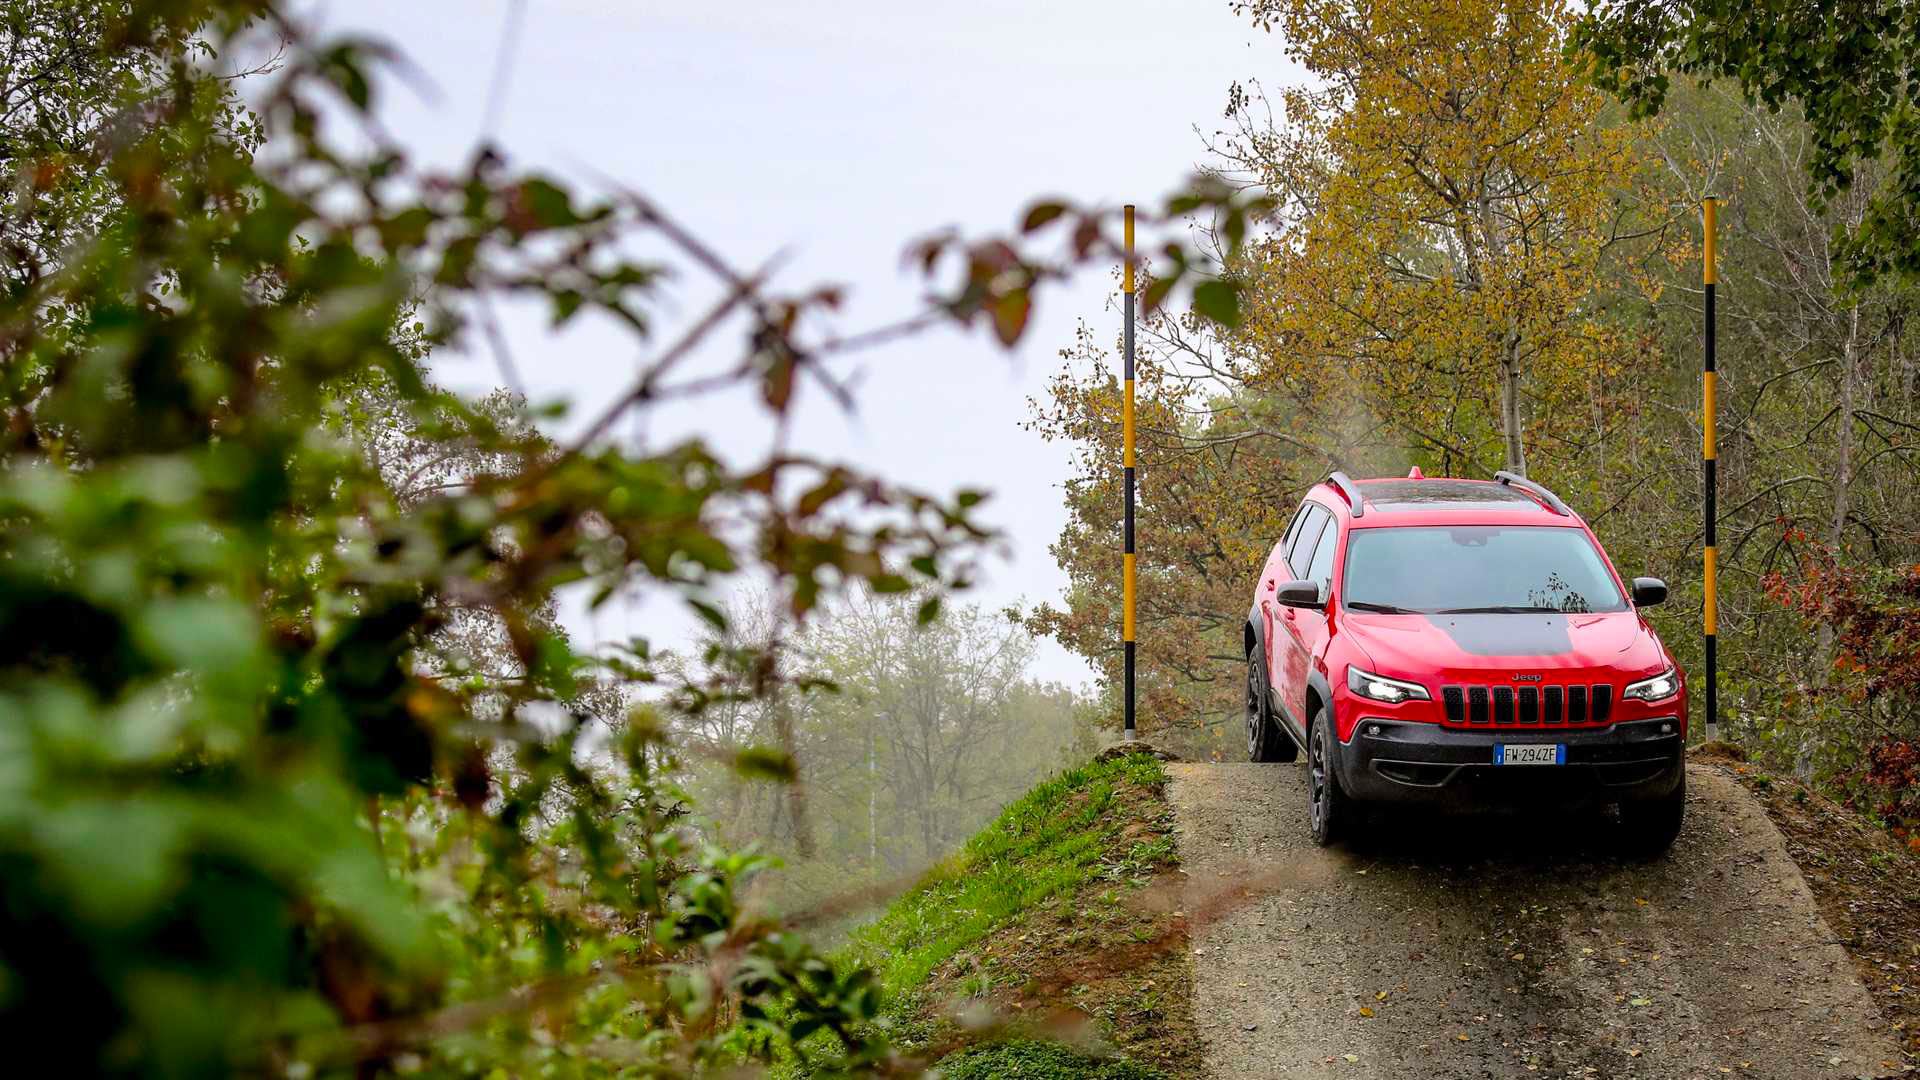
(713,616)
(202,635)
(116,857)
(1218,301)
(765,763)
(547,203)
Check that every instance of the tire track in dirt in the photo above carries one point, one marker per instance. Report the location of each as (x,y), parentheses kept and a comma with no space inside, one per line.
(1508,947)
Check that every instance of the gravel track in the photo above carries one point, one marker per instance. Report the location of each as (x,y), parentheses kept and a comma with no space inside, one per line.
(1508,947)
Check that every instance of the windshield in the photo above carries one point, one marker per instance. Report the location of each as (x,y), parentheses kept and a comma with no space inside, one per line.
(1462,569)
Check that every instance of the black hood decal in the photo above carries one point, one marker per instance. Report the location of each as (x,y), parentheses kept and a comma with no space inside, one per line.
(1507,635)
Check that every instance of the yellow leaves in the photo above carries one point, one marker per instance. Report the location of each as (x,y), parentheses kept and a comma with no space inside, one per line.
(1459,193)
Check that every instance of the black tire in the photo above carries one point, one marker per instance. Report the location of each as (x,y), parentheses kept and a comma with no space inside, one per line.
(1265,740)
(1648,829)
(1330,812)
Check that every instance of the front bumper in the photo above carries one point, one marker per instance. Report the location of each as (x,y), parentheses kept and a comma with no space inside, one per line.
(1412,762)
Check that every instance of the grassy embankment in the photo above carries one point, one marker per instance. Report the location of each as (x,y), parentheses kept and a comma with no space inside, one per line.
(1052,945)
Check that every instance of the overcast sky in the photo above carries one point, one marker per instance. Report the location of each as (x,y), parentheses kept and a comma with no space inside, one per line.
(836,132)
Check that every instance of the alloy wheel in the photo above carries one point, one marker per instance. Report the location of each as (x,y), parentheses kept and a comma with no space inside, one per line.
(1317,779)
(1254,707)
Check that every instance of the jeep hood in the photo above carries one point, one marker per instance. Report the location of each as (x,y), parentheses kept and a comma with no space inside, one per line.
(1479,648)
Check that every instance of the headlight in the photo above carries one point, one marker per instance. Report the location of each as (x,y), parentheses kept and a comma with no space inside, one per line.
(1381,688)
(1659,688)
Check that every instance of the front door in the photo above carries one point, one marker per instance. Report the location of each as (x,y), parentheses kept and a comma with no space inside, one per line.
(1286,674)
(1306,627)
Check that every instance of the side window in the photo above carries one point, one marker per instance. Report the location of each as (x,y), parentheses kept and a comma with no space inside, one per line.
(1300,553)
(1293,527)
(1321,569)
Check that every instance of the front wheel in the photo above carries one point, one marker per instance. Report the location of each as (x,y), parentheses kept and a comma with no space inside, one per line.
(1265,740)
(1648,829)
(1330,811)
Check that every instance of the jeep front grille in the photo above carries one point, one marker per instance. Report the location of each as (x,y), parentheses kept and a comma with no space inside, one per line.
(1528,706)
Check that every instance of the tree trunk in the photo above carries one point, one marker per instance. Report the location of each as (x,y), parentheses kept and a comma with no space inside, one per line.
(796,787)
(1510,419)
(1843,453)
(873,805)
(1842,471)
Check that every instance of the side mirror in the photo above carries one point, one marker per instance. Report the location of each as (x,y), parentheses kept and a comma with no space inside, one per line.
(1304,594)
(1648,591)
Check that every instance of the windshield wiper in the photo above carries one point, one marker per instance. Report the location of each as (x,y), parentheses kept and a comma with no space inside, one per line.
(1516,609)
(1384,609)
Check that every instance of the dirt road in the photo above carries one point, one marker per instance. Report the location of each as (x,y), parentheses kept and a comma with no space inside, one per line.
(1506,948)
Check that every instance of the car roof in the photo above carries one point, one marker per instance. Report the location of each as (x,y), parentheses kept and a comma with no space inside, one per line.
(1445,500)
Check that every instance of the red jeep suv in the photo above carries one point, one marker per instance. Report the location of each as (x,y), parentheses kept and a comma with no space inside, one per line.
(1462,643)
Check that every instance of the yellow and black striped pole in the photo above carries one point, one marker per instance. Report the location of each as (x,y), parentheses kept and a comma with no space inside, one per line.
(1126,465)
(1710,612)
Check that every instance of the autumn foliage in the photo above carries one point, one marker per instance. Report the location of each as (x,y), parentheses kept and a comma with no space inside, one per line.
(1874,616)
(1452,230)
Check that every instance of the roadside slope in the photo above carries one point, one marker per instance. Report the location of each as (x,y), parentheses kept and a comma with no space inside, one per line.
(1055,924)
(1497,949)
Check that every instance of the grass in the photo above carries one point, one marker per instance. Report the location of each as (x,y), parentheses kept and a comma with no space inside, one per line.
(1048,843)
(1034,1060)
(1030,918)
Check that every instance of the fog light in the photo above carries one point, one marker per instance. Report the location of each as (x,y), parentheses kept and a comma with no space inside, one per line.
(1666,729)
(1374,729)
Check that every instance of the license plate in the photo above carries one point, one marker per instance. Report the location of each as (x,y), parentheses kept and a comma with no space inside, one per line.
(1529,754)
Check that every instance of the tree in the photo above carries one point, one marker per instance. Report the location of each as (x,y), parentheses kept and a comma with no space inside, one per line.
(1440,285)
(1219,469)
(1817,403)
(1449,193)
(938,705)
(1847,66)
(913,736)
(253,816)
(78,82)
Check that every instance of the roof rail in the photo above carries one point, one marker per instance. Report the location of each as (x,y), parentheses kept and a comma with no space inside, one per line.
(1342,482)
(1553,501)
